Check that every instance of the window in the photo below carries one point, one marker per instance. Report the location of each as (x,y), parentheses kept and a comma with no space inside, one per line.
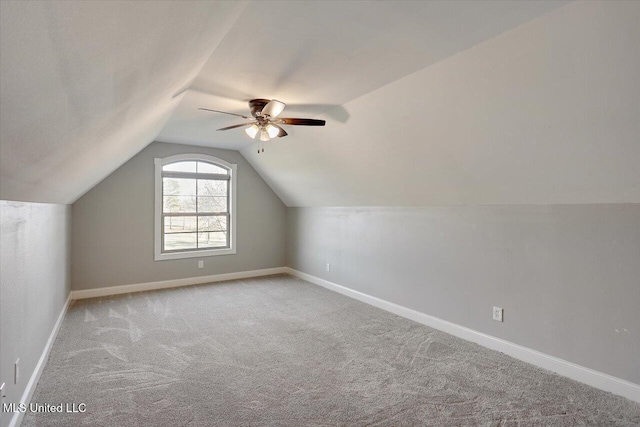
(194,207)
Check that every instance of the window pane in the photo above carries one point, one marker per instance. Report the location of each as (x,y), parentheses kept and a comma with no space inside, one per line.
(179,204)
(212,204)
(212,240)
(210,187)
(204,167)
(180,224)
(177,241)
(178,187)
(180,167)
(212,223)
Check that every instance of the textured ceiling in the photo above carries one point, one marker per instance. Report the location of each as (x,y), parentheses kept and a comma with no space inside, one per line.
(86,85)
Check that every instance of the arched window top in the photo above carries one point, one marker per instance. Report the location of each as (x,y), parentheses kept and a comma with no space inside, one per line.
(197,167)
(195,164)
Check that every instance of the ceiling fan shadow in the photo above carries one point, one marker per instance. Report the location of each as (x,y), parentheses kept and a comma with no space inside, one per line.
(333,111)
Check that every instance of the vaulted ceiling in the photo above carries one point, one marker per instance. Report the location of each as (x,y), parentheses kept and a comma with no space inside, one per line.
(316,56)
(84,86)
(478,102)
(547,113)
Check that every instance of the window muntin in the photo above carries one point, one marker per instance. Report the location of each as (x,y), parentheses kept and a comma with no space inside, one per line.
(194,207)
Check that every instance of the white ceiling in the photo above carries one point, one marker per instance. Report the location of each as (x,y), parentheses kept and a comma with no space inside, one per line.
(478,102)
(318,55)
(547,113)
(86,85)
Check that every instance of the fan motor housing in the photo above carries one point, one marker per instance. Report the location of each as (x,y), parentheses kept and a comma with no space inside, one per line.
(256,106)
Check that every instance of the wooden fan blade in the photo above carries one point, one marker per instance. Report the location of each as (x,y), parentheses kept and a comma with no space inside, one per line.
(302,122)
(273,108)
(224,112)
(282,131)
(237,126)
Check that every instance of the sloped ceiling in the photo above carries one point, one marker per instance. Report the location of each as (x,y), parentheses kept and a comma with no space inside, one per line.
(547,113)
(86,85)
(317,55)
(427,103)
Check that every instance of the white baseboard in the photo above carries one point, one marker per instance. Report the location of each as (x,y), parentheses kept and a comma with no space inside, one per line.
(175,283)
(35,376)
(568,369)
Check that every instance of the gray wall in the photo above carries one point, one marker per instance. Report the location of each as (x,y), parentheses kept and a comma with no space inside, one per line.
(112,237)
(567,276)
(34,285)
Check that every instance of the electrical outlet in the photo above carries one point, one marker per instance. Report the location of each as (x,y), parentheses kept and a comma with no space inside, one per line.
(200,264)
(16,371)
(328,267)
(497,314)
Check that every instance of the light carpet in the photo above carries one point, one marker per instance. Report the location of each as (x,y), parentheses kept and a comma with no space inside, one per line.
(278,351)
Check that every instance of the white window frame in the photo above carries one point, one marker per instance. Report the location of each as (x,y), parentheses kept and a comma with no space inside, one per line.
(159,163)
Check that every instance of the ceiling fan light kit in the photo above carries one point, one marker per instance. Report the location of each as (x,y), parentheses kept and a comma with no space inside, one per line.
(252,131)
(265,120)
(272,130)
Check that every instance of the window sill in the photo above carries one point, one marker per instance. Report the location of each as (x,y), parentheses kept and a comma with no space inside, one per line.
(193,254)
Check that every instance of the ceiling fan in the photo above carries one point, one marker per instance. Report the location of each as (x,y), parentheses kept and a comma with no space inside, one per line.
(265,120)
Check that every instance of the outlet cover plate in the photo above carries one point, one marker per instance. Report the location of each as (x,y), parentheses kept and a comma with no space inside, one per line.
(497,314)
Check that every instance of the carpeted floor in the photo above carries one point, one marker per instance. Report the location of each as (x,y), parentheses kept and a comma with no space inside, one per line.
(280,351)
